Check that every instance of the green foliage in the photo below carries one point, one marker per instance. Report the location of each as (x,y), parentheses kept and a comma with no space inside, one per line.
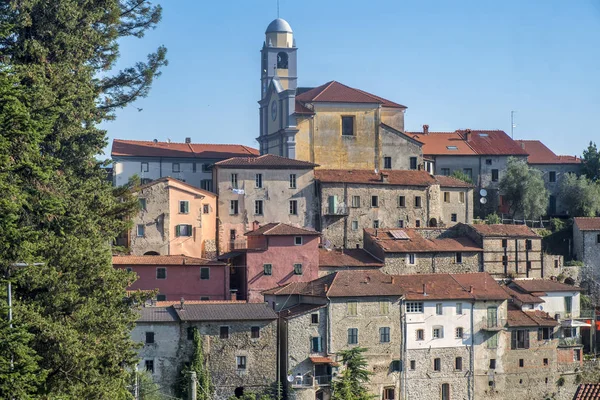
(591,162)
(253,396)
(462,176)
(147,388)
(492,219)
(56,206)
(580,195)
(557,224)
(573,263)
(543,232)
(204,388)
(351,384)
(523,189)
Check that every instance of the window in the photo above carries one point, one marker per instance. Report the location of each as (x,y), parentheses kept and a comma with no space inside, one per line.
(240,362)
(494,175)
(293,207)
(149,337)
(437,332)
(258,207)
(417,223)
(459,309)
(184,207)
(374,201)
(376,224)
(400,223)
(552,176)
(459,258)
(384,335)
(387,162)
(414,307)
(528,265)
(161,297)
(314,318)
(568,304)
(161,273)
(206,209)
(418,201)
(145,181)
(453,217)
(411,259)
(519,339)
(458,363)
(353,336)
(234,181)
(384,307)
(459,333)
(298,240)
(141,230)
(401,201)
(255,332)
(452,147)
(468,172)
(437,364)
(190,333)
(598,238)
(413,365)
(528,244)
(504,243)
(297,269)
(556,262)
(446,197)
(149,364)
(576,355)
(205,273)
(420,334)
(439,309)
(446,171)
(461,197)
(292,181)
(505,260)
(316,344)
(492,363)
(224,332)
(258,181)
(355,201)
(206,168)
(445,391)
(521,363)
(354,225)
(233,207)
(142,204)
(268,269)
(488,161)
(396,367)
(145,167)
(545,362)
(413,163)
(176,168)
(206,184)
(183,230)
(351,307)
(492,342)
(348,126)
(194,167)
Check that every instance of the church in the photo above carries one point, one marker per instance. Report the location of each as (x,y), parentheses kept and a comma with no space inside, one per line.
(333,125)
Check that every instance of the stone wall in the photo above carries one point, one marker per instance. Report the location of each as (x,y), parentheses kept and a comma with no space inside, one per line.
(429,263)
(462,210)
(156,220)
(517,256)
(399,148)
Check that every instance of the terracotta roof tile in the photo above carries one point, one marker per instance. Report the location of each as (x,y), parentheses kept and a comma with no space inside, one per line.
(588,391)
(478,286)
(481,142)
(517,317)
(317,287)
(415,243)
(394,177)
(322,360)
(335,92)
(302,109)
(138,148)
(265,161)
(443,143)
(484,286)
(281,229)
(502,230)
(299,309)
(543,286)
(450,181)
(587,223)
(371,282)
(522,297)
(540,154)
(164,260)
(347,258)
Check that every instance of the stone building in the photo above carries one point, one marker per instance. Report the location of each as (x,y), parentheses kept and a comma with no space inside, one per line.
(175,218)
(188,162)
(177,277)
(586,241)
(352,200)
(553,168)
(332,260)
(263,189)
(239,343)
(481,154)
(410,251)
(333,125)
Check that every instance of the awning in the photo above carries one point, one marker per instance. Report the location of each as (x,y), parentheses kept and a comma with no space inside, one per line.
(574,323)
(323,360)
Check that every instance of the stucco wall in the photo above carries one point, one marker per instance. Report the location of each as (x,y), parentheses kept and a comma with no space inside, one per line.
(399,148)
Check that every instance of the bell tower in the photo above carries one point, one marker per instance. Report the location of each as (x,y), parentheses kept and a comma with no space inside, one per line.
(279,56)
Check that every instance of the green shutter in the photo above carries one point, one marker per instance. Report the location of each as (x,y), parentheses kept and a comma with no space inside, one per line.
(177,230)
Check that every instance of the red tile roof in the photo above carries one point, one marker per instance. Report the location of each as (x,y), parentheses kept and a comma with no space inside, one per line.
(418,244)
(335,92)
(477,286)
(502,230)
(302,109)
(517,317)
(323,360)
(394,177)
(521,296)
(587,223)
(265,161)
(443,143)
(281,229)
(347,258)
(138,148)
(450,181)
(588,391)
(540,154)
(481,142)
(543,286)
(164,260)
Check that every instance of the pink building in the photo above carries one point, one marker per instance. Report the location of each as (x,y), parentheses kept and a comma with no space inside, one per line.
(277,254)
(178,276)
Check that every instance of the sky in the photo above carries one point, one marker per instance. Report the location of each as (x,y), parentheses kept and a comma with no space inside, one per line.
(454,64)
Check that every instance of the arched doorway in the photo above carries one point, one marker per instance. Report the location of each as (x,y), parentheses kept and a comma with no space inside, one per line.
(239,392)
(433,222)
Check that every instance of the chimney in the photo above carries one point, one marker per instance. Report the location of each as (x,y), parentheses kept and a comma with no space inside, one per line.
(182,302)
(425,129)
(255,225)
(468,135)
(384,177)
(326,288)
(471,289)
(233,294)
(523,145)
(424,290)
(393,280)
(188,140)
(367,279)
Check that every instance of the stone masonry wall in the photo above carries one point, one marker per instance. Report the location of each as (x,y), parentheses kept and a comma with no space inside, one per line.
(427,263)
(155,219)
(517,256)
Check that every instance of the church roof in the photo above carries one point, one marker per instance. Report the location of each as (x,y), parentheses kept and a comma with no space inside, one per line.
(279,25)
(335,92)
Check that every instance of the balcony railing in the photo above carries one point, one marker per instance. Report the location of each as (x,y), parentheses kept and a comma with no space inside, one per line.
(492,324)
(237,245)
(337,210)
(570,341)
(309,381)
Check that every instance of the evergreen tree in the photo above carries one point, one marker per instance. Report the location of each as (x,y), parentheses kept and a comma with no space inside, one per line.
(524,190)
(351,385)
(57,207)
(591,162)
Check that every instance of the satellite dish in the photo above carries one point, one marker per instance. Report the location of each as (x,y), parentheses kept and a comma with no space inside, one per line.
(483,200)
(290,378)
(483,193)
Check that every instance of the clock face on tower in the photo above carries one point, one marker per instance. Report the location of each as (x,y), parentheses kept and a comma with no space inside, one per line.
(274,110)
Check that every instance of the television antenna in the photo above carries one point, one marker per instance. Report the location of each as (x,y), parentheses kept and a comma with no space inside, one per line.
(512,124)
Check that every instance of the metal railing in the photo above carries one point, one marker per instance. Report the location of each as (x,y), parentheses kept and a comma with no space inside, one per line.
(492,324)
(310,381)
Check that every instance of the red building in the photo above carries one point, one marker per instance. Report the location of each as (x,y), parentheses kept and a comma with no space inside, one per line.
(178,276)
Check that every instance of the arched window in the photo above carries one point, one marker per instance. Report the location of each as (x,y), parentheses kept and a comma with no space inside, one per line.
(151,253)
(282,60)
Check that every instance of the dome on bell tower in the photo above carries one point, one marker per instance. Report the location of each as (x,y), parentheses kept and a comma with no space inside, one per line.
(279,25)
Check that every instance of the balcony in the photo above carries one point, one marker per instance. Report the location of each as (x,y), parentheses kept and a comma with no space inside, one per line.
(308,381)
(570,341)
(492,324)
(337,210)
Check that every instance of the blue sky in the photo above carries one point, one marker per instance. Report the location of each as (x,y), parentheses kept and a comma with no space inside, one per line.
(455,65)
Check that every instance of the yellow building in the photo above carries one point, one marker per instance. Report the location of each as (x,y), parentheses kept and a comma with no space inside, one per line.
(333,125)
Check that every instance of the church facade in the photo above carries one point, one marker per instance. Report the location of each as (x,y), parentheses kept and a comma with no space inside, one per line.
(333,125)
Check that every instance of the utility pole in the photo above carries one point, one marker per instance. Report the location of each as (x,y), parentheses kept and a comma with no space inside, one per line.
(192,395)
